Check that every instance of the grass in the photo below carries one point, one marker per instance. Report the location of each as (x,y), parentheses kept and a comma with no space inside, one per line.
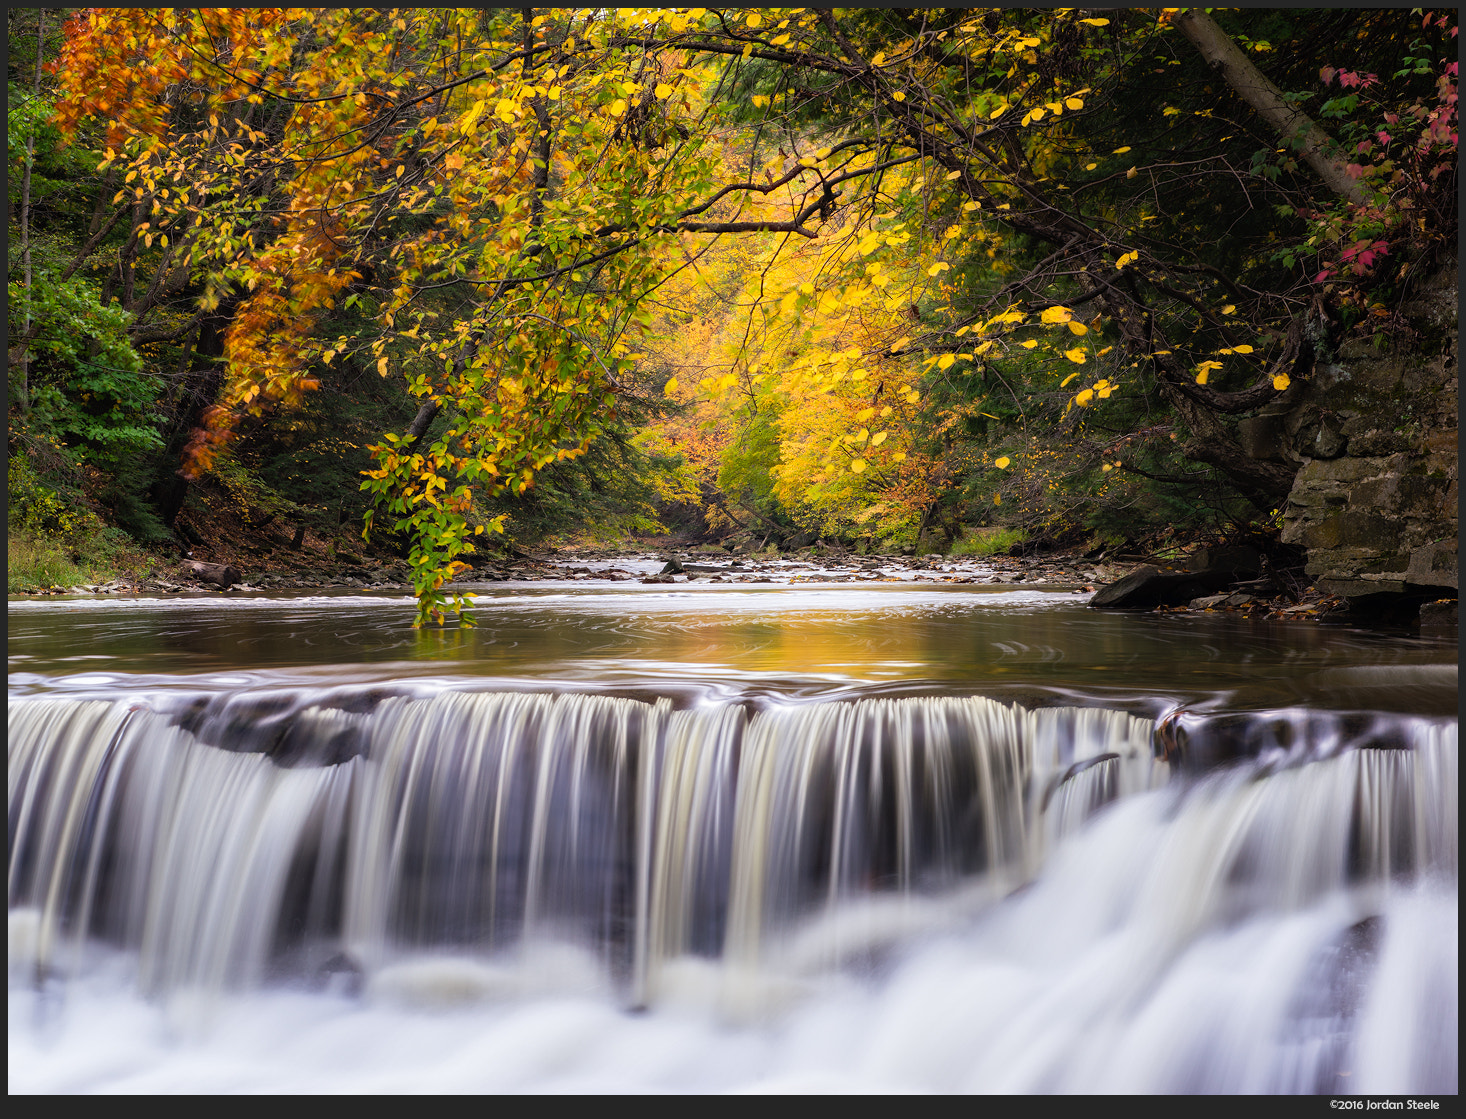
(37,562)
(986,541)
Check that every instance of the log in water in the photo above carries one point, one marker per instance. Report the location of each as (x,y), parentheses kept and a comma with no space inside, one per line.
(551,890)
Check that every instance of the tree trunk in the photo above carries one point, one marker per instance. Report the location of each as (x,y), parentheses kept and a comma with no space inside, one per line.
(1250,84)
(23,358)
(421,422)
(201,386)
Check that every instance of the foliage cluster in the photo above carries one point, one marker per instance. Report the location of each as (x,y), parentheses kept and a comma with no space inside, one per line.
(868,273)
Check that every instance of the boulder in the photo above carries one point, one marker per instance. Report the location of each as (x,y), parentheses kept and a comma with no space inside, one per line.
(1206,572)
(1220,601)
(219,574)
(1149,586)
(1440,614)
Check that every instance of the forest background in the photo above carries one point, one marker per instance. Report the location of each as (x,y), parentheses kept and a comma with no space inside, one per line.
(891,278)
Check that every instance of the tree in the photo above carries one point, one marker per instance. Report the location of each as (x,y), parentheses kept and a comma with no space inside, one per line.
(494,199)
(491,189)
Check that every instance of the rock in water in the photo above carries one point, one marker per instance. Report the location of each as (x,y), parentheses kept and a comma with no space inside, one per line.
(1147,587)
(221,575)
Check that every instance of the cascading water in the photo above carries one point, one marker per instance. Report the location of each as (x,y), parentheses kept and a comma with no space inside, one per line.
(948,893)
(474,821)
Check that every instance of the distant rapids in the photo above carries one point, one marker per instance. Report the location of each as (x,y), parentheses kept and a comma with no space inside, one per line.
(889,894)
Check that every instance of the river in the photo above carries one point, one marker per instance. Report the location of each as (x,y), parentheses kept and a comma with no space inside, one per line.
(772,837)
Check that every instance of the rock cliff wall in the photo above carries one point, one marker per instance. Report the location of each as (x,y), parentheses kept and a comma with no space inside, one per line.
(1375,502)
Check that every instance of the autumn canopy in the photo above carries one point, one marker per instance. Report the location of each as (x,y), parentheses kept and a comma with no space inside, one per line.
(852,272)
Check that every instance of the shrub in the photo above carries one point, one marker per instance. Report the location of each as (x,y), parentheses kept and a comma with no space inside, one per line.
(986,541)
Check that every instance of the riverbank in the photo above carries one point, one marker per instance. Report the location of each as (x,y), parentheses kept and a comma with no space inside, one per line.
(671,561)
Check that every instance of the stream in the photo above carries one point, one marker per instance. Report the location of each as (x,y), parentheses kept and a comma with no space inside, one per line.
(795,836)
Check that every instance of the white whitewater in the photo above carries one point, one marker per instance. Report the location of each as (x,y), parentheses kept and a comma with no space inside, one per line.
(512,891)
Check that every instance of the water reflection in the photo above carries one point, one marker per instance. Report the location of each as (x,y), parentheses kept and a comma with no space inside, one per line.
(979,639)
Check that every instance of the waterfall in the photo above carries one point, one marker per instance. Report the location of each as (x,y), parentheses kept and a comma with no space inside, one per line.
(1279,920)
(476,821)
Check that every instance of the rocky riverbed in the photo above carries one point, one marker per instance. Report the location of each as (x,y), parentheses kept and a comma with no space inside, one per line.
(1269,597)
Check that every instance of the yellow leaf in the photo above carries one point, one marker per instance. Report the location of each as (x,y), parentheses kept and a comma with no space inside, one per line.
(327,356)
(754,19)
(760,100)
(1106,468)
(1130,174)
(858,466)
(898,346)
(1201,377)
(864,414)
(1281,381)
(1073,103)
(1096,22)
(1122,151)
(663,91)
(953,175)
(996,113)
(945,361)
(618,107)
(997,499)
(1052,316)
(899,456)
(469,118)
(1229,309)
(879,58)
(1078,328)
(1243,349)
(1170,111)
(938,268)
(382,365)
(1065,382)
(1090,166)
(1127,258)
(878,438)
(1029,344)
(671,386)
(1078,357)
(1002,462)
(1083,398)
(898,96)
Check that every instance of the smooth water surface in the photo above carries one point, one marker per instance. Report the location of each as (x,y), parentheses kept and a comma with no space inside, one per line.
(992,640)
